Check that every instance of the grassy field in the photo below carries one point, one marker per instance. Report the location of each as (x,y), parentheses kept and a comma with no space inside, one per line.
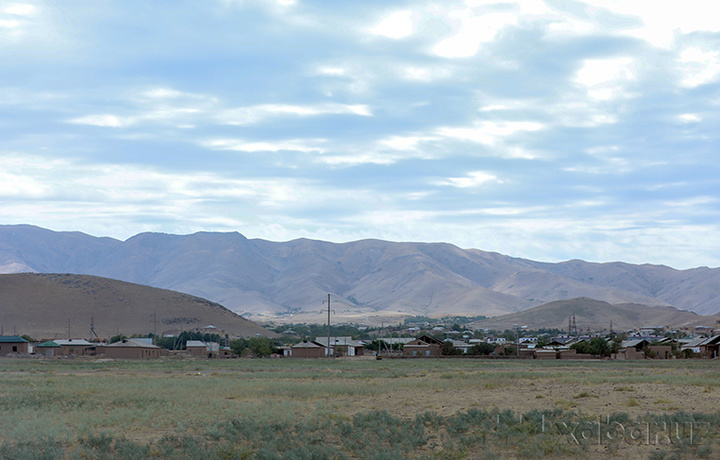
(359,408)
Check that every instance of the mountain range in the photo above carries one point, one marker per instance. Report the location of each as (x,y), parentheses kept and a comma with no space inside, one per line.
(368,278)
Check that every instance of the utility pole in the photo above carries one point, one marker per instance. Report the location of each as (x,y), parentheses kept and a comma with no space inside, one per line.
(330,349)
(154,327)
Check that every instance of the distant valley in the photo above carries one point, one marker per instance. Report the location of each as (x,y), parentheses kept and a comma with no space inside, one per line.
(370,279)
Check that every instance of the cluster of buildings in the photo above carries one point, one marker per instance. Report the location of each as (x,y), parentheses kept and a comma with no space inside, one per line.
(124,349)
(639,345)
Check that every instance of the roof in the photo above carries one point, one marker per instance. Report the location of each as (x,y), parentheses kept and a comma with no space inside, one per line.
(11,339)
(48,344)
(195,343)
(633,343)
(131,343)
(430,340)
(392,340)
(307,344)
(710,341)
(74,342)
(340,341)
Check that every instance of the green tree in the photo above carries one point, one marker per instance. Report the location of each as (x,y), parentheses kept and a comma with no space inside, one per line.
(449,349)
(596,346)
(481,348)
(261,346)
(117,338)
(237,346)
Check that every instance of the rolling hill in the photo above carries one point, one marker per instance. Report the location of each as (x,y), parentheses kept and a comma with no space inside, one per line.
(45,305)
(596,315)
(368,278)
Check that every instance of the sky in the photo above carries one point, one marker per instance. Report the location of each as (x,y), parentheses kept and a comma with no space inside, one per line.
(548,130)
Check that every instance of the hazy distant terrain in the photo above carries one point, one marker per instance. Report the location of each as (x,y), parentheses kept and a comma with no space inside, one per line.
(596,315)
(45,305)
(369,277)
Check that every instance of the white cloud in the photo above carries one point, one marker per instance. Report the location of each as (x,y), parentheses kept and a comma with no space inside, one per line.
(606,79)
(240,145)
(489,132)
(699,67)
(660,23)
(19,9)
(471,29)
(396,25)
(471,180)
(258,113)
(688,118)
(104,120)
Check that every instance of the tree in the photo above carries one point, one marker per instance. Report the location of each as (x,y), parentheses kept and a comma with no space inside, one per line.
(449,349)
(237,346)
(481,348)
(261,346)
(595,346)
(117,338)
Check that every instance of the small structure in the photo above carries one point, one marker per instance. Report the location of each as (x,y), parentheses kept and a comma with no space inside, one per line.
(343,346)
(49,348)
(12,344)
(203,349)
(76,347)
(462,346)
(132,349)
(423,346)
(308,349)
(628,353)
(543,353)
(710,347)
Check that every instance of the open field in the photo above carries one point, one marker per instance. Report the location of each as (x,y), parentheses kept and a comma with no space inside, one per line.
(359,408)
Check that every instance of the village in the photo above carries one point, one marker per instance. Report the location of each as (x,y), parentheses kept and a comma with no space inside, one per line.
(416,341)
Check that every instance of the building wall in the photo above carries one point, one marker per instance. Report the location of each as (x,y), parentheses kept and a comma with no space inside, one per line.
(200,352)
(131,353)
(73,350)
(13,347)
(420,349)
(660,351)
(629,353)
(308,352)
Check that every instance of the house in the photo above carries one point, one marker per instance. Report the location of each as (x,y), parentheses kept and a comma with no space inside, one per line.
(202,349)
(343,346)
(12,344)
(710,347)
(424,346)
(308,349)
(132,349)
(462,346)
(496,340)
(76,347)
(49,348)
(660,351)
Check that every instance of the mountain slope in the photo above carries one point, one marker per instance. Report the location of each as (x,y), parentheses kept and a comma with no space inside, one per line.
(368,277)
(596,315)
(42,305)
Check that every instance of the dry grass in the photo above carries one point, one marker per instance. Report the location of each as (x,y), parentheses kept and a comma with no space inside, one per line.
(144,402)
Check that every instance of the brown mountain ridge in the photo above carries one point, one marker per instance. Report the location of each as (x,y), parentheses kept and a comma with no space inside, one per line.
(368,278)
(44,305)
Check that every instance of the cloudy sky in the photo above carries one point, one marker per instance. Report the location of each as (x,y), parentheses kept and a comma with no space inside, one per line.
(548,130)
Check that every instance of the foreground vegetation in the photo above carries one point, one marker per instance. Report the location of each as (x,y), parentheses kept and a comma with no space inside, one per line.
(338,409)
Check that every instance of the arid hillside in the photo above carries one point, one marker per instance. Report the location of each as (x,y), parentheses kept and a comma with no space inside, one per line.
(596,315)
(45,305)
